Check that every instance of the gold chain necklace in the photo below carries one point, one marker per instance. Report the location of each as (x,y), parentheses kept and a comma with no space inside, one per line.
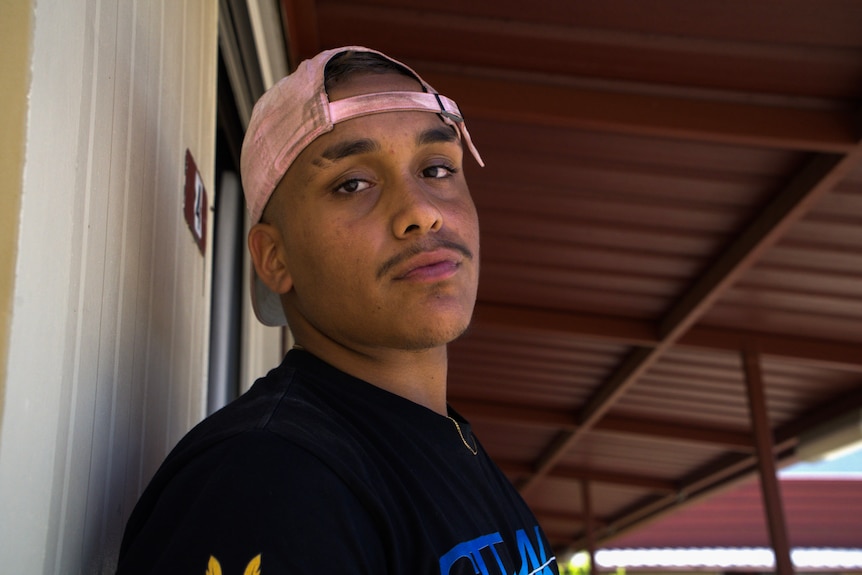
(473,449)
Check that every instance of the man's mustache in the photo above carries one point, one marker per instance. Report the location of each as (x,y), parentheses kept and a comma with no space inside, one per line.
(426,245)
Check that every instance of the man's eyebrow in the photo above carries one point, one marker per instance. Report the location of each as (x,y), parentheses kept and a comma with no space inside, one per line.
(342,150)
(443,134)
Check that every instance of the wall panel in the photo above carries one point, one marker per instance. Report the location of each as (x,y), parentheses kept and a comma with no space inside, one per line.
(110,320)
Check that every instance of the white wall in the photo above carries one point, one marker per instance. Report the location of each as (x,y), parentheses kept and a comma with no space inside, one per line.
(107,350)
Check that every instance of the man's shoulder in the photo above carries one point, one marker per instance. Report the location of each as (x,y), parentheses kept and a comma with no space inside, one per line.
(280,410)
(275,434)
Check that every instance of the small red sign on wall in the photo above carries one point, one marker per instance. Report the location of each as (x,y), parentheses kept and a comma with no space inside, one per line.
(195,205)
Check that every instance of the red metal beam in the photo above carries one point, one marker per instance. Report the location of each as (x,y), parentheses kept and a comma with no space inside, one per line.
(565,420)
(830,354)
(611,51)
(819,176)
(640,333)
(738,123)
(589,531)
(652,484)
(685,433)
(301,30)
(721,474)
(772,503)
(524,319)
(724,472)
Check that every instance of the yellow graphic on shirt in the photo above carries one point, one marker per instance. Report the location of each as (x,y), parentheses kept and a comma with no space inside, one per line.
(253,567)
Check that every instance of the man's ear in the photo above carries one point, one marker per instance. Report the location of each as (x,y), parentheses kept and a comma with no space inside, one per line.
(269,258)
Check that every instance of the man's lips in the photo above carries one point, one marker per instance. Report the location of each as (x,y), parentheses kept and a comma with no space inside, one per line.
(435,265)
(439,257)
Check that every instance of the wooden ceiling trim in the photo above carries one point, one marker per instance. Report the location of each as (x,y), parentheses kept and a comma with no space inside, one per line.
(696,119)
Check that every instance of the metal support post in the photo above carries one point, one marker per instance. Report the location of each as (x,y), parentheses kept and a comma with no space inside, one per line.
(589,528)
(770,488)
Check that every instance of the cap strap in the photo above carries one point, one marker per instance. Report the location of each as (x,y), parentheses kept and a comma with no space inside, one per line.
(375,103)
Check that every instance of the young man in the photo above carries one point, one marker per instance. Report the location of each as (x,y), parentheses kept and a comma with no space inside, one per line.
(346,458)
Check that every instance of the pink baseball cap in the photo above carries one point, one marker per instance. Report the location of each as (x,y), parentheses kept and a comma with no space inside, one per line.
(296,111)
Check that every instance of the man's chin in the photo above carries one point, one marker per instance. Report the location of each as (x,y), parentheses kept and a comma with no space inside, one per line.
(434,336)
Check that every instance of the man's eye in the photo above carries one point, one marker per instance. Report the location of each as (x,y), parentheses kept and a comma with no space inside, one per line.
(352,186)
(437,171)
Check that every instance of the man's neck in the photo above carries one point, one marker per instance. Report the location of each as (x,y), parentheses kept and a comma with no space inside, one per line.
(419,376)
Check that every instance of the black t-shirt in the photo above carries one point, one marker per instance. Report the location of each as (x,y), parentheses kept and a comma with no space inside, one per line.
(314,471)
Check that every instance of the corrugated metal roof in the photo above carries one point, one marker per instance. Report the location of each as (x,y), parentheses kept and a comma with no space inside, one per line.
(819,513)
(669,183)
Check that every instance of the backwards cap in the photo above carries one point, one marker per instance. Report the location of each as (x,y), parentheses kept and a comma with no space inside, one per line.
(296,111)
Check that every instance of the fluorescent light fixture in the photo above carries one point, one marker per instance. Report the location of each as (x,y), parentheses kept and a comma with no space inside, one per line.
(725,558)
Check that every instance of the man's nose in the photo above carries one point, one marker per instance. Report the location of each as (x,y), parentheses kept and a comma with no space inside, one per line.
(416,210)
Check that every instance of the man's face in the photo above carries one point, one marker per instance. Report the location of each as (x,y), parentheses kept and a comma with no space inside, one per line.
(380,233)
